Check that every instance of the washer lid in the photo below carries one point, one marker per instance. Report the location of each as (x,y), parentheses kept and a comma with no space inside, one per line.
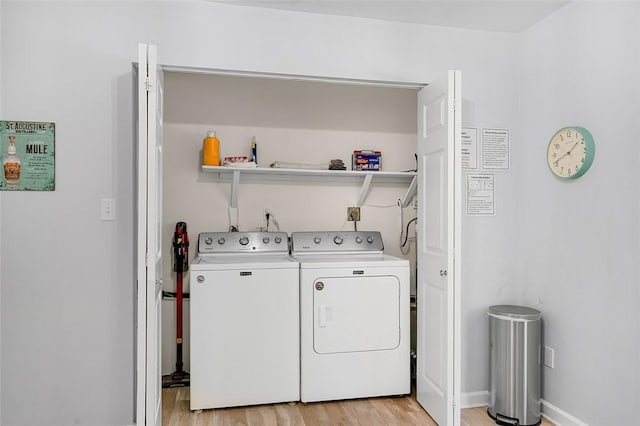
(242,262)
(515,312)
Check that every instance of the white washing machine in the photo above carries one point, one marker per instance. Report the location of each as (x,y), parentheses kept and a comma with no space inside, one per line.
(354,317)
(245,332)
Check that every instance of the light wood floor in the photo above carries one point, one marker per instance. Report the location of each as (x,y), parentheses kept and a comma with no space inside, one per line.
(369,412)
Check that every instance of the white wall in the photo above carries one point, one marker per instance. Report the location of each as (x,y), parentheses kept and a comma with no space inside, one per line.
(67,287)
(578,246)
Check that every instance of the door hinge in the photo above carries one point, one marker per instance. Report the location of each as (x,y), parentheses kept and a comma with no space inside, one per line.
(147,84)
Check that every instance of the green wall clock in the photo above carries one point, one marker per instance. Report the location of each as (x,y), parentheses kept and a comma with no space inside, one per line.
(570,152)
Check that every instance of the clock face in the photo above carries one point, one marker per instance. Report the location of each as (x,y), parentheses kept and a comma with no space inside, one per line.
(570,152)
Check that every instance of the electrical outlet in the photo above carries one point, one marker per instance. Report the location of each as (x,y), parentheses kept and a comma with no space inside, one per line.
(549,357)
(108,209)
(414,202)
(353,214)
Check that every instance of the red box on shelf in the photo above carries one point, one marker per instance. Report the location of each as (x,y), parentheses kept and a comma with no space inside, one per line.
(367,160)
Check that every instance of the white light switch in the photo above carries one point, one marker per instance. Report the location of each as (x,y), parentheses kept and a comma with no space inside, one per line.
(549,357)
(108,209)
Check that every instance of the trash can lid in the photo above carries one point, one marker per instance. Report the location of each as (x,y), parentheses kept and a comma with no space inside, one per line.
(515,312)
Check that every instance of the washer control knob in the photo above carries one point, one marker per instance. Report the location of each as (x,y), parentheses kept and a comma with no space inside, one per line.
(265,240)
(317,240)
(278,240)
(370,239)
(208,241)
(221,240)
(244,241)
(337,239)
(358,239)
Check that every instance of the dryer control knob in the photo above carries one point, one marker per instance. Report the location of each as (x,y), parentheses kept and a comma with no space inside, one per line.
(265,240)
(317,240)
(278,240)
(208,241)
(358,239)
(244,241)
(338,240)
(221,241)
(370,239)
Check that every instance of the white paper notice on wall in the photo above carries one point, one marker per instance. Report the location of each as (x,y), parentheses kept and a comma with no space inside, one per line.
(480,194)
(469,148)
(495,149)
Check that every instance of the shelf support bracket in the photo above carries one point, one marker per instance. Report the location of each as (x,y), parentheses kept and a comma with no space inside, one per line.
(364,191)
(235,187)
(410,192)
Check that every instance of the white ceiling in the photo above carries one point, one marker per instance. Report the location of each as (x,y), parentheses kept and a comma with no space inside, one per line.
(501,15)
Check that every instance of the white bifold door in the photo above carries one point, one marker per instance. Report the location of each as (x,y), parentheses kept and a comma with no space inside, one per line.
(149,249)
(438,293)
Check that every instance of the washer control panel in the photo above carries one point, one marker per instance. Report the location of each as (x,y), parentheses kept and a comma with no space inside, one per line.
(242,242)
(339,241)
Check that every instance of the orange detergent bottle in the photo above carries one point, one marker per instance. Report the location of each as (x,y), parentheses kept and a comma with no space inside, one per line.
(211,149)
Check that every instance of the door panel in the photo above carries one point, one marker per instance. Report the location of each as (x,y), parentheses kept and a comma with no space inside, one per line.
(154,237)
(149,243)
(438,300)
(353,314)
(140,72)
(435,333)
(435,168)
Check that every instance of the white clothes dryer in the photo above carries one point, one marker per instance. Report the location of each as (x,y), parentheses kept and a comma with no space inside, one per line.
(244,320)
(354,316)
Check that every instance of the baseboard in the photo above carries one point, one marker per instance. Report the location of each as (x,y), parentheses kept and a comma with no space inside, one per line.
(559,417)
(549,411)
(474,399)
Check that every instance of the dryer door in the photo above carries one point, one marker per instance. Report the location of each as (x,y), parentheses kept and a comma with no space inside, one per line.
(353,314)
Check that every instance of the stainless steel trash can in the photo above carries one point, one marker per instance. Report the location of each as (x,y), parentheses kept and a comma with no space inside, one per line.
(514,337)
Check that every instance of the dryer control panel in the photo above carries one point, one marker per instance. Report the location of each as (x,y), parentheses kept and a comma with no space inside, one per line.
(336,242)
(242,242)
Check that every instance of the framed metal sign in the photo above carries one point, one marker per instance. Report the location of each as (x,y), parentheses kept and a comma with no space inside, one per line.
(27,149)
